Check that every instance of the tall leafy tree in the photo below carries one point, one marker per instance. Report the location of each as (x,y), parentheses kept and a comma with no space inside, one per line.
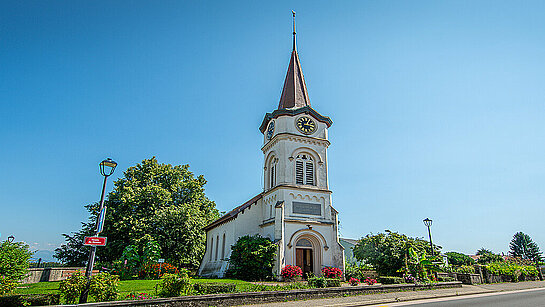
(389,252)
(523,247)
(152,201)
(487,256)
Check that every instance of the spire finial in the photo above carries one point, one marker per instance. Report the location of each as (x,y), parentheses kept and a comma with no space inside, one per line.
(293,12)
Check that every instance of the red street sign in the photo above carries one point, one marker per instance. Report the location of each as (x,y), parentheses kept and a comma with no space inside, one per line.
(94,241)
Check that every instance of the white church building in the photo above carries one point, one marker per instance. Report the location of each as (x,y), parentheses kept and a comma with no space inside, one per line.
(294,210)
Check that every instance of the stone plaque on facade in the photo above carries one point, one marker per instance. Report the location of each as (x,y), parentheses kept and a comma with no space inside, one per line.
(307,208)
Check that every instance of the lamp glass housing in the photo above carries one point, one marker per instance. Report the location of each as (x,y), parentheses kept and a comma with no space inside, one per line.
(428,222)
(10,239)
(107,167)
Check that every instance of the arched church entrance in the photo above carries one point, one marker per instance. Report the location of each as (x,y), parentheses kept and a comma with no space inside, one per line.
(308,254)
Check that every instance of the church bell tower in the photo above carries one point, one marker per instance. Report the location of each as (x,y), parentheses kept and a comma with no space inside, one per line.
(296,193)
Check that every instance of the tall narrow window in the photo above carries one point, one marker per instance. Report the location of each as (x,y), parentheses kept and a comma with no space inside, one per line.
(211,247)
(223,247)
(304,170)
(217,244)
(272,173)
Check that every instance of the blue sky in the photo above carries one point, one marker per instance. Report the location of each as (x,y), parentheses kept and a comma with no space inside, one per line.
(437,107)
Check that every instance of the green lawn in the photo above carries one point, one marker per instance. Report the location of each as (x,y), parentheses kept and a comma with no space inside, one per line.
(125,286)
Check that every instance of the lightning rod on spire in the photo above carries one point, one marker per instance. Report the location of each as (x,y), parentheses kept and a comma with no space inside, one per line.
(293,12)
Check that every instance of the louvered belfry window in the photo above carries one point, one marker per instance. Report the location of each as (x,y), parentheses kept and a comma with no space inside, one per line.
(272,174)
(304,170)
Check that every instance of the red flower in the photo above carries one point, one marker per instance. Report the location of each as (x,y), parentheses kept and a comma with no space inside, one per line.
(331,272)
(291,271)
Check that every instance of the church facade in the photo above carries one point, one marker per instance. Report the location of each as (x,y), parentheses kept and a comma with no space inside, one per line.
(294,210)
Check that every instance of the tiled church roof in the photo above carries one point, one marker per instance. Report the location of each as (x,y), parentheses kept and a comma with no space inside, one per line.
(294,94)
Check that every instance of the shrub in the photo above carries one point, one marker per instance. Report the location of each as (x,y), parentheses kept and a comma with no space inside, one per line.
(455,258)
(464,269)
(6,285)
(214,287)
(14,264)
(408,278)
(357,271)
(317,282)
(512,270)
(291,272)
(332,282)
(354,281)
(388,280)
(103,287)
(488,257)
(175,285)
(332,272)
(370,281)
(155,270)
(252,258)
(29,300)
(71,287)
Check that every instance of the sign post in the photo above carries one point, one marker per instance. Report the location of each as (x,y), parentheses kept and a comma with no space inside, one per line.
(94,241)
(160,263)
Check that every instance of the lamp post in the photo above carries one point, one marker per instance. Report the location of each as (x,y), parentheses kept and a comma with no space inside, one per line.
(428,223)
(107,168)
(10,239)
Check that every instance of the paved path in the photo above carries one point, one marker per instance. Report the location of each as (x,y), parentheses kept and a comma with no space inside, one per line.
(528,297)
(374,299)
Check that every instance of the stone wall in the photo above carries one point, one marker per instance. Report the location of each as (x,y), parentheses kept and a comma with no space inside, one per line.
(234,299)
(51,274)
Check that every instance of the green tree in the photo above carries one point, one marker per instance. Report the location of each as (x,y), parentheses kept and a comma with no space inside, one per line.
(523,247)
(487,256)
(389,252)
(14,264)
(455,258)
(152,201)
(252,258)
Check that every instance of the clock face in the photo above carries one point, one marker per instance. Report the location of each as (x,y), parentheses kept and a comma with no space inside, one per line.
(270,130)
(305,125)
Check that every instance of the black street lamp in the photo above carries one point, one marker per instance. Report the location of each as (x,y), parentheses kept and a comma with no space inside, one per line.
(428,223)
(10,239)
(107,168)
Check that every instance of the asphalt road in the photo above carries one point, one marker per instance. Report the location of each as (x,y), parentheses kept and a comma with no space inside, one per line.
(532,297)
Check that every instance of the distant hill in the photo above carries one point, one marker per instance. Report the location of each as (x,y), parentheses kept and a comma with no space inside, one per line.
(47,256)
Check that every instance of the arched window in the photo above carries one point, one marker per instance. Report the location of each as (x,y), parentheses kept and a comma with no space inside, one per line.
(272,173)
(223,247)
(211,247)
(303,243)
(304,170)
(217,244)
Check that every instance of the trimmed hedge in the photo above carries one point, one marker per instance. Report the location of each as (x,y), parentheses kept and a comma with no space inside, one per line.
(29,300)
(333,282)
(214,287)
(389,280)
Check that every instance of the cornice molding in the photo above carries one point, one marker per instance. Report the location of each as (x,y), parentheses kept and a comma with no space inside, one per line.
(292,112)
(287,136)
(288,186)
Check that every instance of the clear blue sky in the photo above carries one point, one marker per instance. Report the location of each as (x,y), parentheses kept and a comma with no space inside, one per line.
(438,107)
